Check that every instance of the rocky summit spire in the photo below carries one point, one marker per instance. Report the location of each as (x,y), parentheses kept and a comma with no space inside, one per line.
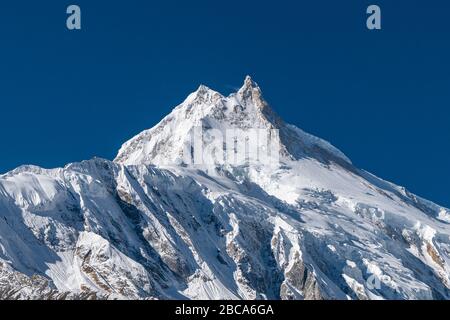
(250,94)
(249,83)
(250,91)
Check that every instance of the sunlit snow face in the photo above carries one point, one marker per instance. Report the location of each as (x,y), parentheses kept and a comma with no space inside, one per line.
(231,147)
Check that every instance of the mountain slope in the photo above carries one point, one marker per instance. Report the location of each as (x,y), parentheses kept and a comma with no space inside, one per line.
(155,224)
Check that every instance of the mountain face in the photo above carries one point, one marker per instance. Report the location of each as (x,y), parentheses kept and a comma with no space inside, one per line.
(161,222)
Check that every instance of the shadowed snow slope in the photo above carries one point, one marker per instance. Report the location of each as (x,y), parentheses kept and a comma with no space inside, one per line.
(150,226)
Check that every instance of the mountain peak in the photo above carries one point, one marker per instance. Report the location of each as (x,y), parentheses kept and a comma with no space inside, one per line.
(243,110)
(202,89)
(203,95)
(250,93)
(249,83)
(249,89)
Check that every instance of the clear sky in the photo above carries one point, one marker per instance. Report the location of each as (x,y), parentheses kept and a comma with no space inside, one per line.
(382,97)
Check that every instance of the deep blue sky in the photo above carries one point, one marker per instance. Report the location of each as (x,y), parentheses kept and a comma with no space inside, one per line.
(382,97)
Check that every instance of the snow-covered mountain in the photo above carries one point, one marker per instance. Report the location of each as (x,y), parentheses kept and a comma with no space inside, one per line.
(307,224)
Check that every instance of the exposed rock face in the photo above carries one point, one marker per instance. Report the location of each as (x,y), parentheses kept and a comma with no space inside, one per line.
(150,226)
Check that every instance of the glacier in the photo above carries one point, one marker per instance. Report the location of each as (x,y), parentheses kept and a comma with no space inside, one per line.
(149,226)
